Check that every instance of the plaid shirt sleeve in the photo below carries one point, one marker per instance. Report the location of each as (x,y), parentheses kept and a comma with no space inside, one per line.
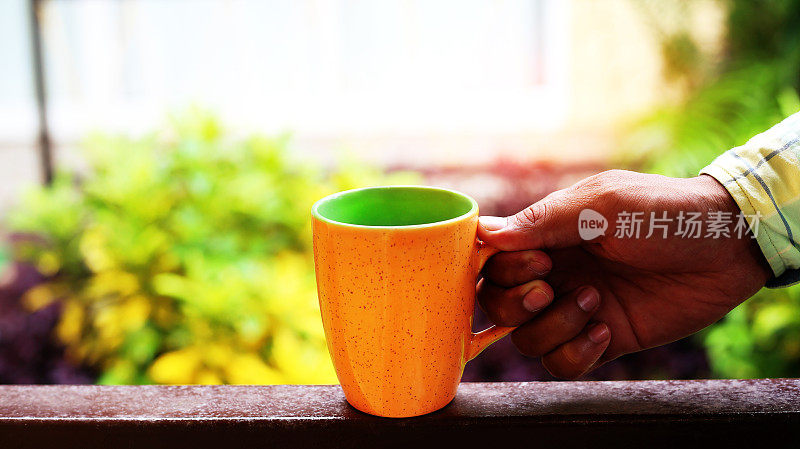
(763,177)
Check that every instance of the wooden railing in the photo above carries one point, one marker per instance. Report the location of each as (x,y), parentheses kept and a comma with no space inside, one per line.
(675,414)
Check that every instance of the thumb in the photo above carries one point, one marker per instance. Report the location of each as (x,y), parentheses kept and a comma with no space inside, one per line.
(549,223)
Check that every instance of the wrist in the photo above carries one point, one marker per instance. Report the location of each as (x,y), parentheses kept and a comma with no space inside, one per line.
(715,196)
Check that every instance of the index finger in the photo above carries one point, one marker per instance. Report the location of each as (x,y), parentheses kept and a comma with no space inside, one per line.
(509,269)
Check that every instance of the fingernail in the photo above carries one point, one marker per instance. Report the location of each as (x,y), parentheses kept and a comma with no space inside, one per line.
(588,299)
(536,299)
(491,223)
(599,333)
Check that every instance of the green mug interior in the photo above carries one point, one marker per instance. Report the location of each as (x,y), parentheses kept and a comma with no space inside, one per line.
(393,206)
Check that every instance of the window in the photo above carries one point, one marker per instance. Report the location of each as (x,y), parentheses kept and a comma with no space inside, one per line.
(315,67)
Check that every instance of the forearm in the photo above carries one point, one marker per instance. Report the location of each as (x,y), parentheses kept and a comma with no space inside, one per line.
(763,177)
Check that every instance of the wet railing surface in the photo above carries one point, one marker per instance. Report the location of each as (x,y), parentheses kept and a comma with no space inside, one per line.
(644,414)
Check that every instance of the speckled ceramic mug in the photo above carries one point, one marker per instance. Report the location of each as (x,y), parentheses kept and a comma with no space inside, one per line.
(396,269)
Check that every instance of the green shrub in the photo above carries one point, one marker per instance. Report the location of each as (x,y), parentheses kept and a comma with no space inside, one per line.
(760,338)
(184,257)
(755,86)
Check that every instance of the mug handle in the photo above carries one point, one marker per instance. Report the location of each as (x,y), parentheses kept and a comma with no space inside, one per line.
(480,341)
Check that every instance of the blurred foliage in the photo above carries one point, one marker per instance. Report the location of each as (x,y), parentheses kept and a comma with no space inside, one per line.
(760,338)
(184,257)
(4,258)
(752,86)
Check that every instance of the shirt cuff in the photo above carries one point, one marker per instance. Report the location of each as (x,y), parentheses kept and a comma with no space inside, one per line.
(765,237)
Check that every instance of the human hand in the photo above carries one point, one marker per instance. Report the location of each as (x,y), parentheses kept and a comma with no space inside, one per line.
(583,303)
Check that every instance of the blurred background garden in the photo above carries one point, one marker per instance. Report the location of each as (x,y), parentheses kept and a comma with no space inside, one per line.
(159,159)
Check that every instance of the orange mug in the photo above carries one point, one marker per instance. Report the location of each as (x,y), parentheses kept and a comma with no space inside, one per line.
(396,271)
